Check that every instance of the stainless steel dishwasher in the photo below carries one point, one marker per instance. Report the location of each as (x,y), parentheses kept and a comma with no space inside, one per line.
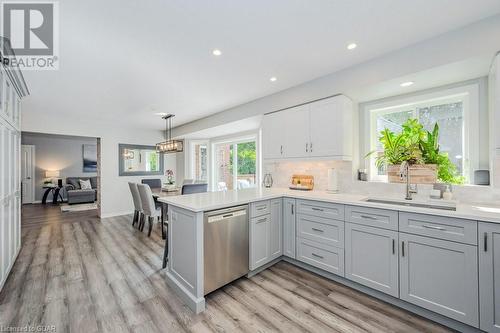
(225,246)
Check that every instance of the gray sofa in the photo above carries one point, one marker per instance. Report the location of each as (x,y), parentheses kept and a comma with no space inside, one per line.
(76,194)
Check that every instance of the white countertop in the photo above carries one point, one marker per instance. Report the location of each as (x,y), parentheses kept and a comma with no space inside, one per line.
(203,202)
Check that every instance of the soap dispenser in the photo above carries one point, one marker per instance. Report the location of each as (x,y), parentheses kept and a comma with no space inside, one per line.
(447,195)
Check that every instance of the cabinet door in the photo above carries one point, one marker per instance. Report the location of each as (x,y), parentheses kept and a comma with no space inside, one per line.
(289,227)
(272,135)
(371,257)
(259,241)
(296,128)
(331,127)
(441,276)
(276,230)
(489,276)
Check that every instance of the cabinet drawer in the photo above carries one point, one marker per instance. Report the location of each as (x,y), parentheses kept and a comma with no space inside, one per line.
(260,208)
(328,258)
(448,228)
(374,217)
(326,231)
(321,209)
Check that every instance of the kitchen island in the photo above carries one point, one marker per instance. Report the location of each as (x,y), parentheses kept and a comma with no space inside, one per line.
(330,235)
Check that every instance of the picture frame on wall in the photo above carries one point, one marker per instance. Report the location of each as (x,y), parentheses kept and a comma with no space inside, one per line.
(89,158)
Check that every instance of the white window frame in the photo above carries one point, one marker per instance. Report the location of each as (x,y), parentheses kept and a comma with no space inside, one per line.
(235,140)
(190,152)
(467,94)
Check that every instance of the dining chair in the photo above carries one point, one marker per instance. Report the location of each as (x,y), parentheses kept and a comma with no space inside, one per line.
(153,183)
(148,207)
(136,197)
(194,188)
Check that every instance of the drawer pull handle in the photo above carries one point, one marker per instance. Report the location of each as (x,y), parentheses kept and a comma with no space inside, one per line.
(262,220)
(393,246)
(485,242)
(369,217)
(317,209)
(318,230)
(402,248)
(292,209)
(317,256)
(433,227)
(261,207)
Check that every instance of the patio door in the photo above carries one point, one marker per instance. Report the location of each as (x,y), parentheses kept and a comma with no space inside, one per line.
(235,165)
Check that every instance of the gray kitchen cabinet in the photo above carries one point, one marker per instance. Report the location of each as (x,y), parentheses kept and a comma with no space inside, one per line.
(289,227)
(266,232)
(441,276)
(489,276)
(260,236)
(371,257)
(328,258)
(276,229)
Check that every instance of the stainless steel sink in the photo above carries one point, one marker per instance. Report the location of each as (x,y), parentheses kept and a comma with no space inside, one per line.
(411,204)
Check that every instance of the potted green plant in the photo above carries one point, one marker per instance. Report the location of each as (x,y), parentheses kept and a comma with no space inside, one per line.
(420,148)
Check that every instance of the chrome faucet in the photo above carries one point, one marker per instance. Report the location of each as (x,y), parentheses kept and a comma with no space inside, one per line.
(404,172)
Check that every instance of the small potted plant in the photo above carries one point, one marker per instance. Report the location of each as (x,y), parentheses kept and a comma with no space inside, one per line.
(170,184)
(419,148)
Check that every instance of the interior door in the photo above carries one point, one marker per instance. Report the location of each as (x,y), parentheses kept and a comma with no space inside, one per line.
(28,174)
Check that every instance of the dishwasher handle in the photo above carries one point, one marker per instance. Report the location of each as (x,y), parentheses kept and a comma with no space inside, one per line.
(226,216)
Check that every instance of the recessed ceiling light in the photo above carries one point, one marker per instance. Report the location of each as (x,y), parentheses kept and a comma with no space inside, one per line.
(273,79)
(406,84)
(216,52)
(352,46)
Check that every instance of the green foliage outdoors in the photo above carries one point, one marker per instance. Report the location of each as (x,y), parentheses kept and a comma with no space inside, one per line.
(247,157)
(416,145)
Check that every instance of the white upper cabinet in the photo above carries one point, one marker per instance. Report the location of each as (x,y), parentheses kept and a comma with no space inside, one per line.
(319,129)
(294,124)
(331,128)
(494,97)
(272,136)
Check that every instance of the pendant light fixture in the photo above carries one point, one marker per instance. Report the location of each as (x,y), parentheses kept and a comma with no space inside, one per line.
(169,145)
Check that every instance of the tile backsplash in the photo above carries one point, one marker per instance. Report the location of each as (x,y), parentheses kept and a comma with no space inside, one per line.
(347,179)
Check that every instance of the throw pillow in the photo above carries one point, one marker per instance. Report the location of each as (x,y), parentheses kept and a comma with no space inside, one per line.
(85,184)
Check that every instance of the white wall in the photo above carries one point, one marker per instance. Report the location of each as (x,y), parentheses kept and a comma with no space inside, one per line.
(115,197)
(475,40)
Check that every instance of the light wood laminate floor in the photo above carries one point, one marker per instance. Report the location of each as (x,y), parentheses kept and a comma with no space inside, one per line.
(83,274)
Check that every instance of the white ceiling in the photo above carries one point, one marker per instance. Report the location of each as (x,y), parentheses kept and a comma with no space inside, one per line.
(125,60)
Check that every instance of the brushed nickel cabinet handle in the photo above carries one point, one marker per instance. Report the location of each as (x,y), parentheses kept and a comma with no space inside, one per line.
(433,227)
(311,147)
(281,150)
(262,220)
(317,230)
(402,248)
(393,246)
(368,217)
(292,209)
(317,256)
(307,150)
(485,242)
(317,209)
